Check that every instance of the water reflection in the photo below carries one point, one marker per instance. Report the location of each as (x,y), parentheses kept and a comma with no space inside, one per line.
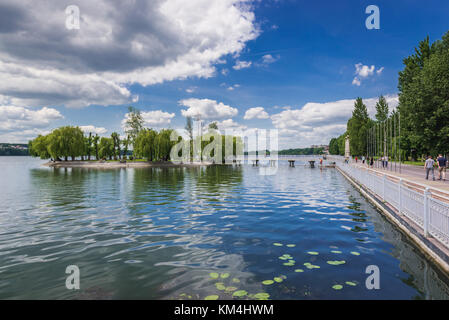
(160,233)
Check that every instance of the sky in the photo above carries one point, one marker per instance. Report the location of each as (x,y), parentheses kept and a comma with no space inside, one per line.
(293,66)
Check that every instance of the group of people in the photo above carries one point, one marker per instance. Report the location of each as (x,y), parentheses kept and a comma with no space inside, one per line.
(430,165)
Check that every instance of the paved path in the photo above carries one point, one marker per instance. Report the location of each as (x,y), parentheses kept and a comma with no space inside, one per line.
(413,173)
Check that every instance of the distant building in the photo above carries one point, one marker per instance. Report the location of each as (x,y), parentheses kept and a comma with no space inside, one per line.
(323,146)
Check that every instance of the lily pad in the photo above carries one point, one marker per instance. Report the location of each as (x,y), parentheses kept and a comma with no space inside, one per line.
(299,270)
(350,283)
(336,262)
(235,280)
(336,251)
(213,275)
(291,245)
(311,266)
(267,282)
(230,289)
(224,275)
(355,253)
(240,293)
(313,253)
(277,244)
(261,295)
(211,297)
(337,287)
(278,279)
(220,286)
(289,264)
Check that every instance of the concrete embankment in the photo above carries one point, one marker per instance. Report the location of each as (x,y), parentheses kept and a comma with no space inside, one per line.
(432,249)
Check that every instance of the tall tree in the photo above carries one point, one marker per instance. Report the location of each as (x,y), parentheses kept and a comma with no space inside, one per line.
(116,144)
(382,109)
(134,123)
(95,145)
(357,128)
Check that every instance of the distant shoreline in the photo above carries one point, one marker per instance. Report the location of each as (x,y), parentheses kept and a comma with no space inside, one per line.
(117,164)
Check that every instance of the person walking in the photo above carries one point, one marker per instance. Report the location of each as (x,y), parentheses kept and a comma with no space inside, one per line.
(386,162)
(371,163)
(429,167)
(442,164)
(363,159)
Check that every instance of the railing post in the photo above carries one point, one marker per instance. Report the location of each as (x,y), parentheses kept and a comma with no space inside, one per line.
(426,212)
(383,186)
(400,196)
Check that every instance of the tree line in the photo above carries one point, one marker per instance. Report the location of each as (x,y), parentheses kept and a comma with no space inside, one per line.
(146,143)
(423,106)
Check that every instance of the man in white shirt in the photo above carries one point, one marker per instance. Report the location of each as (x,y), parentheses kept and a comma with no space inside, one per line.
(429,167)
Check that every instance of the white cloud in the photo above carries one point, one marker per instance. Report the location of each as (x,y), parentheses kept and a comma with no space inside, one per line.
(317,123)
(20,118)
(230,124)
(207,109)
(363,72)
(268,58)
(256,113)
(119,43)
(242,65)
(94,130)
(191,89)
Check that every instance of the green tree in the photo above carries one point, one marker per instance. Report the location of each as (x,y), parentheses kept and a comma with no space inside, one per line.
(144,146)
(213,125)
(134,123)
(382,109)
(95,140)
(357,128)
(106,148)
(333,146)
(116,144)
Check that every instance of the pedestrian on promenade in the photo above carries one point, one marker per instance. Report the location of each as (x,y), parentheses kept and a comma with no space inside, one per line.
(429,167)
(383,161)
(442,164)
(355,159)
(363,159)
(386,162)
(371,163)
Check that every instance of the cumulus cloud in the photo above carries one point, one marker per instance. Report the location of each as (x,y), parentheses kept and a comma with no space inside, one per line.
(317,123)
(242,65)
(20,124)
(207,109)
(363,72)
(93,129)
(256,113)
(229,124)
(20,118)
(119,43)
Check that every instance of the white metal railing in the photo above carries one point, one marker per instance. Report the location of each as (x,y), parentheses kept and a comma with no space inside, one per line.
(429,213)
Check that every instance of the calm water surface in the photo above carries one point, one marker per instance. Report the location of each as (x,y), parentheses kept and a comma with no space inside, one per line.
(160,233)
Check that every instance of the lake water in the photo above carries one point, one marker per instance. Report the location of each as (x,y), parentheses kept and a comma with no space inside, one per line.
(161,233)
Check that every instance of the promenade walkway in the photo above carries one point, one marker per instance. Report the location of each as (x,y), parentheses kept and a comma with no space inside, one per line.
(412,174)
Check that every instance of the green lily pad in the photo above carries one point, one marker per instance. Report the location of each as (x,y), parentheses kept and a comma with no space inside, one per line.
(267,282)
(289,264)
(240,293)
(277,244)
(211,297)
(278,279)
(291,245)
(313,253)
(213,275)
(311,266)
(224,275)
(355,253)
(337,287)
(220,286)
(235,280)
(261,295)
(336,251)
(350,283)
(299,270)
(283,258)
(336,262)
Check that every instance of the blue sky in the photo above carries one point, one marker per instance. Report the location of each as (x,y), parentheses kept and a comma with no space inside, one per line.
(299,63)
